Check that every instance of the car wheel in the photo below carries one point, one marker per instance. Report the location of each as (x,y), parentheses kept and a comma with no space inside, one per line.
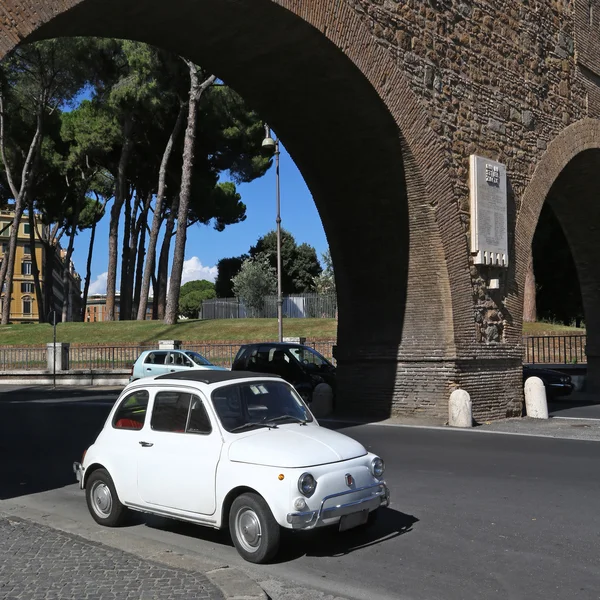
(102,500)
(373,518)
(254,531)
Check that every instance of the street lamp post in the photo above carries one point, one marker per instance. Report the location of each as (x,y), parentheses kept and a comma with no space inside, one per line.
(272,145)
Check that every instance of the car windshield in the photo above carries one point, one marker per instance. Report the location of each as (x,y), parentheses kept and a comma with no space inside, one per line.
(243,406)
(198,359)
(310,357)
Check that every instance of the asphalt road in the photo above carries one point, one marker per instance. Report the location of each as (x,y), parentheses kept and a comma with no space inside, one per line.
(473,515)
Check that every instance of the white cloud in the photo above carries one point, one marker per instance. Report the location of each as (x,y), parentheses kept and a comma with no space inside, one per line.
(98,286)
(193,269)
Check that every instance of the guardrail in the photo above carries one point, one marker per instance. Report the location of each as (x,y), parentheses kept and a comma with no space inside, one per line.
(104,357)
(554,349)
(23,358)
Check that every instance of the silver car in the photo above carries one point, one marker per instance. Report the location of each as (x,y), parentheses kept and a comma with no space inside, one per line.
(160,362)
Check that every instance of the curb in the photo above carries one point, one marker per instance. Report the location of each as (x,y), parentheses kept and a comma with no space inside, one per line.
(233,583)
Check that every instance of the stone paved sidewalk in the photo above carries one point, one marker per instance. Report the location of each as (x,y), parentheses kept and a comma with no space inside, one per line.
(40,563)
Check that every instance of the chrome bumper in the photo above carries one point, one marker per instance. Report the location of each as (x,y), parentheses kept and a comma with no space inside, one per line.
(78,470)
(380,496)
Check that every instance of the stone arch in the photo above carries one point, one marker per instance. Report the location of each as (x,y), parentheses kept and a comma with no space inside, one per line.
(358,134)
(566,177)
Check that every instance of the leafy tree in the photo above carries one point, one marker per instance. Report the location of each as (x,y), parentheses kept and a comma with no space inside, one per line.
(557,283)
(192,294)
(35,80)
(227,268)
(299,264)
(324,283)
(255,280)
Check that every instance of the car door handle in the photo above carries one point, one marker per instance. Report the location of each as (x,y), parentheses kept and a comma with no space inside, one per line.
(148,368)
(172,370)
(146,444)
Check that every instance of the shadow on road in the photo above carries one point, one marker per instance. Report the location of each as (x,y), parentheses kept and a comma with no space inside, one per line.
(39,442)
(322,542)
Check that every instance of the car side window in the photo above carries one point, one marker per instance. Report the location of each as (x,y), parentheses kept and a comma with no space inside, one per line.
(198,421)
(170,411)
(156,358)
(131,413)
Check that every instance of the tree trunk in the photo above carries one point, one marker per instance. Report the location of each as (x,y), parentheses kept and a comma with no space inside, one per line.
(125,294)
(155,296)
(41,305)
(115,214)
(88,271)
(196,90)
(157,219)
(141,253)
(163,266)
(529,299)
(66,280)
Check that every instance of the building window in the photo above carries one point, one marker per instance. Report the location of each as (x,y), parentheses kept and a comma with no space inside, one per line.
(26,288)
(26,228)
(26,306)
(5,247)
(4,230)
(26,267)
(26,249)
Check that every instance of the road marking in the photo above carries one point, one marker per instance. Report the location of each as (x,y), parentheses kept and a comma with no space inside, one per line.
(463,430)
(577,418)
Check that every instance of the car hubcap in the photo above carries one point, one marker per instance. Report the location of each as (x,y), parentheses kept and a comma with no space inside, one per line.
(101,500)
(248,529)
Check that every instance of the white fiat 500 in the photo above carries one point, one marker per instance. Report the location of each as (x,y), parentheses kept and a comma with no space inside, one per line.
(228,449)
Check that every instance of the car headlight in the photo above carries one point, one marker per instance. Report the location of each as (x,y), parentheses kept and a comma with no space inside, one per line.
(307,484)
(565,379)
(377,467)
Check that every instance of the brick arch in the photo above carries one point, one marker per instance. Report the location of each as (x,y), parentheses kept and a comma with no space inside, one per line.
(356,131)
(566,178)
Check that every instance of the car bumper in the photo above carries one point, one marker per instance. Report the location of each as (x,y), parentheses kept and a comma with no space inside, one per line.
(379,496)
(78,470)
(560,389)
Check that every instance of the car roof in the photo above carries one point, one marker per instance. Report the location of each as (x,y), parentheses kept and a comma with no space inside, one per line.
(210,376)
(276,344)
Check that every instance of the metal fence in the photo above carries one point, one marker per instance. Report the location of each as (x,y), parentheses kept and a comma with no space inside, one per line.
(554,349)
(312,306)
(104,357)
(23,358)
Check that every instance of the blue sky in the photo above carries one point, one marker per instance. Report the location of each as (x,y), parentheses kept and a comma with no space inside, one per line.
(205,246)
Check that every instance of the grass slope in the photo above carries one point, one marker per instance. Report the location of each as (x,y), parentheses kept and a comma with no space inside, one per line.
(236,330)
(136,332)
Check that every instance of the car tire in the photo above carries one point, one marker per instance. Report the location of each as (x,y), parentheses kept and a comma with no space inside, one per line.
(102,500)
(253,529)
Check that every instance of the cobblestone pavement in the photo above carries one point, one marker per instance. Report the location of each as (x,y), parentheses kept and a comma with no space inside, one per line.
(40,563)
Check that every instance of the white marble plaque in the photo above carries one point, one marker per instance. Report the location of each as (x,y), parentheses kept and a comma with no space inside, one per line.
(489,244)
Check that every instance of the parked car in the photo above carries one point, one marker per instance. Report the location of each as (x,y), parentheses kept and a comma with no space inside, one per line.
(158,362)
(228,450)
(555,382)
(300,365)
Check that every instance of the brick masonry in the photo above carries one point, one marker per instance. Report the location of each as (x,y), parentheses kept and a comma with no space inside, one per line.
(380,103)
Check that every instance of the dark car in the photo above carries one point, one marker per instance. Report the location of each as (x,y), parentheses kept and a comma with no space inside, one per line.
(555,382)
(299,365)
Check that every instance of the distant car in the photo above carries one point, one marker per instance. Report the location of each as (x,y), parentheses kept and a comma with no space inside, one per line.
(300,365)
(228,450)
(555,382)
(159,362)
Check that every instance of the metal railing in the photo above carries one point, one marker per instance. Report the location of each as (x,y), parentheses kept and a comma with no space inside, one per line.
(554,349)
(104,357)
(23,358)
(299,306)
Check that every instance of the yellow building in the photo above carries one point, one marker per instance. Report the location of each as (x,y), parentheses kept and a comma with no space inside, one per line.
(24,302)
